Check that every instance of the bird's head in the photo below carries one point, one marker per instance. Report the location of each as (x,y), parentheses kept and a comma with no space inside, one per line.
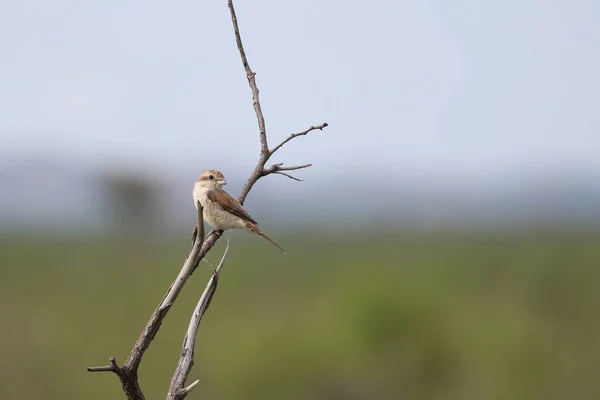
(212,179)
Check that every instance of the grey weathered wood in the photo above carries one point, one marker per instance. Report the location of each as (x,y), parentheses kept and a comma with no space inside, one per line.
(128,373)
(177,390)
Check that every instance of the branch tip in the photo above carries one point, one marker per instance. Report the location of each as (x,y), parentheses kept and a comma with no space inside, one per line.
(295,135)
(288,175)
(294,167)
(112,367)
(106,368)
(189,388)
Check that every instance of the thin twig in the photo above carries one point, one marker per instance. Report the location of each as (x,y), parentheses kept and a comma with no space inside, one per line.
(278,167)
(113,367)
(289,176)
(294,167)
(295,135)
(106,368)
(251,81)
(177,391)
(189,388)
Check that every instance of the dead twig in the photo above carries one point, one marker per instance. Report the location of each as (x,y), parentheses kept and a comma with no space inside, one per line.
(295,135)
(177,390)
(289,176)
(265,153)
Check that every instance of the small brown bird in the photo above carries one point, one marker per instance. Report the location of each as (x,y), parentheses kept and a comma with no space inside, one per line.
(221,211)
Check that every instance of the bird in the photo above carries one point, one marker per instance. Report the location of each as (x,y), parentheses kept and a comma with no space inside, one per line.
(221,211)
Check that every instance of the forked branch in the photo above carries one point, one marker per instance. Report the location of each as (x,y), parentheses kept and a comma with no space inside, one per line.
(265,153)
(178,390)
(128,373)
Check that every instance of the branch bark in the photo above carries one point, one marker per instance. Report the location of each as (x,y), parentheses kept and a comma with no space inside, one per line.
(178,390)
(201,245)
(265,153)
(251,81)
(128,373)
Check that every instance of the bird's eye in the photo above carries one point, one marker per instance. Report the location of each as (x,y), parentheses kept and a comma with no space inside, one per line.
(211,177)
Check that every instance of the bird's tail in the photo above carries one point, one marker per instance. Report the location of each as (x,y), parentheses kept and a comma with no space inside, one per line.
(254,229)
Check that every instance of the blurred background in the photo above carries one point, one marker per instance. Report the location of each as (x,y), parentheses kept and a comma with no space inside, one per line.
(444,245)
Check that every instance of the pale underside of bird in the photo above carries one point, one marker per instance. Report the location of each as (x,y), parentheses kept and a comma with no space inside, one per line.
(221,211)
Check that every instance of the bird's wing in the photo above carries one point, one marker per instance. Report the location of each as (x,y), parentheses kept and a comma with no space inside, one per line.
(229,204)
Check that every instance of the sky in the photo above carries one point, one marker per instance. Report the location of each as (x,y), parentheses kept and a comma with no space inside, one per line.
(463,89)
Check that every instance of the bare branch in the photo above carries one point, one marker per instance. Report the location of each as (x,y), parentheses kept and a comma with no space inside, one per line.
(265,153)
(260,169)
(251,81)
(189,388)
(177,391)
(113,367)
(198,251)
(106,368)
(128,372)
(295,135)
(289,176)
(294,167)
(278,167)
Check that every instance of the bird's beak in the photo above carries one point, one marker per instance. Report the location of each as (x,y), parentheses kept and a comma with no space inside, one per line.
(223,182)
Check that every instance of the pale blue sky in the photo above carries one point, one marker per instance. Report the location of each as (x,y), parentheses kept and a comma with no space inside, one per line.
(461,88)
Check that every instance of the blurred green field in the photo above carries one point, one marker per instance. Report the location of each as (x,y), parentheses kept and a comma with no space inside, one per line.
(397,316)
